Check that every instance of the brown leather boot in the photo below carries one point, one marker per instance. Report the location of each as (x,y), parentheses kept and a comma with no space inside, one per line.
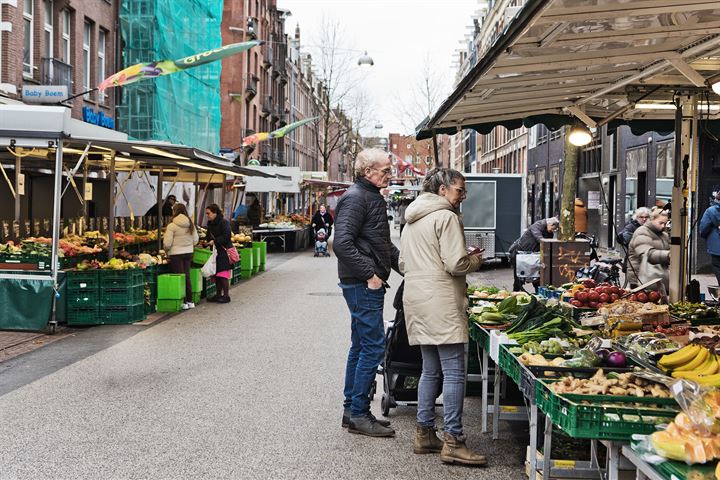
(426,441)
(455,451)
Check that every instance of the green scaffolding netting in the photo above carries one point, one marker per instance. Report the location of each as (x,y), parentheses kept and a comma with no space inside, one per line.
(184,107)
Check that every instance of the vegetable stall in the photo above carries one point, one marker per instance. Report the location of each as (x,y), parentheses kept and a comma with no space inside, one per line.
(65,249)
(635,375)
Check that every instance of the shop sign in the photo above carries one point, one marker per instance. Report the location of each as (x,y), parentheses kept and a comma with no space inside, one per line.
(593,200)
(98,118)
(44,93)
(21,184)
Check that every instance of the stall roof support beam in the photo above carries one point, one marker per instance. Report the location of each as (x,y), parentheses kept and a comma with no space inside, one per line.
(577,111)
(689,72)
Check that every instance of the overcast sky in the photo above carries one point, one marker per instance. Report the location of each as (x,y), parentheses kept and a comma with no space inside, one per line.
(397,34)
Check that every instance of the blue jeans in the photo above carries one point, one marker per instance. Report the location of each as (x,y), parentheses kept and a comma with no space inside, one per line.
(367,348)
(448,361)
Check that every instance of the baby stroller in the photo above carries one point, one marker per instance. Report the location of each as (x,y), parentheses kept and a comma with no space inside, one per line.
(402,366)
(321,249)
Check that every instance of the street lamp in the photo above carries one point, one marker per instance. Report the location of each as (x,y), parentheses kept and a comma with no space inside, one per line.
(365,59)
(580,135)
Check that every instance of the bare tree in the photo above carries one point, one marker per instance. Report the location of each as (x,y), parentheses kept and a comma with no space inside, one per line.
(343,106)
(422,99)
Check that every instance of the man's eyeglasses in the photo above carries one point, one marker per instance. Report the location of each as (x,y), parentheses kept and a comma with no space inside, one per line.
(384,171)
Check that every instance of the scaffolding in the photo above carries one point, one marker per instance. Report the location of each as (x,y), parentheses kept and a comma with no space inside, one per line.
(183,108)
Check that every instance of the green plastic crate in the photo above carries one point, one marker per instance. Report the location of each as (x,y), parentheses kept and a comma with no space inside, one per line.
(171,286)
(169,305)
(120,315)
(257,255)
(256,269)
(509,364)
(210,290)
(245,274)
(120,297)
(480,335)
(604,417)
(196,280)
(263,251)
(121,278)
(247,258)
(82,298)
(196,297)
(82,316)
(82,279)
(201,255)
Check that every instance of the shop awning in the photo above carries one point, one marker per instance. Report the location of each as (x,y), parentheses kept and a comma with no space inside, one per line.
(28,129)
(326,184)
(607,61)
(287,180)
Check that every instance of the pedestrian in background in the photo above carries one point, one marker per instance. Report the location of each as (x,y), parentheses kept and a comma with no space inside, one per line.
(322,219)
(365,257)
(529,241)
(710,231)
(581,216)
(640,216)
(255,212)
(402,208)
(179,241)
(167,207)
(220,235)
(435,261)
(649,253)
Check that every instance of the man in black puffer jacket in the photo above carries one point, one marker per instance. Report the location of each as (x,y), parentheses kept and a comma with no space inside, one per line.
(365,256)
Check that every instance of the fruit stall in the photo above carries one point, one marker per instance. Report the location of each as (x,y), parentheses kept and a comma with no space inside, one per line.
(44,249)
(634,376)
(293,232)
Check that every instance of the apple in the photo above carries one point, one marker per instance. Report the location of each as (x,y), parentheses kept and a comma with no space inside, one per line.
(642,297)
(654,297)
(593,297)
(576,303)
(581,296)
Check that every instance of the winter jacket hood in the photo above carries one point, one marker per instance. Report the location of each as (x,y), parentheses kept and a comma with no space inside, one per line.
(179,239)
(434,259)
(424,205)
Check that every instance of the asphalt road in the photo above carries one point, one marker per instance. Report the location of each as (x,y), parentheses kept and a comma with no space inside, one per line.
(250,389)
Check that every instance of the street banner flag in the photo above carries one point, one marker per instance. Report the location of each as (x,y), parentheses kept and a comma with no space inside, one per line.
(280,132)
(164,67)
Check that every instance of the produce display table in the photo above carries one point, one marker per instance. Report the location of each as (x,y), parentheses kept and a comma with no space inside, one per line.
(645,471)
(283,234)
(669,470)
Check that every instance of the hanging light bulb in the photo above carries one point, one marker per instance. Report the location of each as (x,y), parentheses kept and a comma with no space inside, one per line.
(580,135)
(716,87)
(366,59)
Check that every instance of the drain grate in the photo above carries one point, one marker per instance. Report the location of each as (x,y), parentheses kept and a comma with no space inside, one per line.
(326,294)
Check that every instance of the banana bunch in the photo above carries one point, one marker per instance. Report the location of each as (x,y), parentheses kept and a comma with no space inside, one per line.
(695,363)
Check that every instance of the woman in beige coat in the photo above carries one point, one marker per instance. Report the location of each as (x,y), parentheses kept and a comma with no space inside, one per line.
(649,253)
(434,260)
(179,241)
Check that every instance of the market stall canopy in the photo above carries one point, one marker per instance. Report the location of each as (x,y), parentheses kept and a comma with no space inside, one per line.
(32,132)
(601,61)
(287,180)
(326,184)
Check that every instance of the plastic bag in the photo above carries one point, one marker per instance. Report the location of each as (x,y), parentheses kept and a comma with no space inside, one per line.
(208,270)
(583,358)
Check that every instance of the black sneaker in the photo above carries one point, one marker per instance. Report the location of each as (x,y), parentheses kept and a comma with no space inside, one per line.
(214,298)
(223,299)
(369,426)
(346,419)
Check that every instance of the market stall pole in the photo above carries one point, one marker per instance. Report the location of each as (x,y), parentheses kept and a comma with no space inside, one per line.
(159,200)
(686,155)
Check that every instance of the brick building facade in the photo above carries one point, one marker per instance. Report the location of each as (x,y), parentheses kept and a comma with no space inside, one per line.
(59,42)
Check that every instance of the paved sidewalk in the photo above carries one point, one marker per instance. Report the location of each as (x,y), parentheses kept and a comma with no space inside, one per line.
(250,389)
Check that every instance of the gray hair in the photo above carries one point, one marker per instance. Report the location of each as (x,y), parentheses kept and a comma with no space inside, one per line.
(367,159)
(552,221)
(642,211)
(437,177)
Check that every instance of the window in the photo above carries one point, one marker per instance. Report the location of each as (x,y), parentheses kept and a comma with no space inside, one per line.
(65,41)
(102,38)
(28,47)
(48,29)
(87,33)
(665,156)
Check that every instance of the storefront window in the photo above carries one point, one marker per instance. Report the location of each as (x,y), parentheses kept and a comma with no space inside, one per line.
(665,171)
(635,180)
